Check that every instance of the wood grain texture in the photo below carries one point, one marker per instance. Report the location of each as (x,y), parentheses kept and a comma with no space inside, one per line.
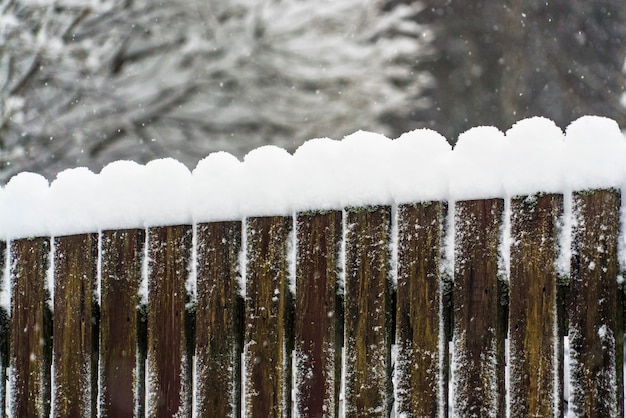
(30,328)
(317,343)
(478,314)
(122,254)
(420,337)
(169,376)
(5,337)
(535,336)
(368,318)
(75,269)
(595,316)
(267,317)
(219,337)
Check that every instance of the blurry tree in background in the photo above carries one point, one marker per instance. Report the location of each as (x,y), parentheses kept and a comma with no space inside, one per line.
(495,62)
(85,82)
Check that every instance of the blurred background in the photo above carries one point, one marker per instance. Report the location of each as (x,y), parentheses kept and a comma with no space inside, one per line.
(86,82)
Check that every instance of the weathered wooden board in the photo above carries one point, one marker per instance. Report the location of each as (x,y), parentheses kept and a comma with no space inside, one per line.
(535,337)
(271,322)
(595,318)
(169,377)
(447,284)
(5,337)
(30,328)
(142,358)
(219,311)
(75,269)
(121,262)
(368,318)
(478,359)
(421,370)
(317,343)
(267,317)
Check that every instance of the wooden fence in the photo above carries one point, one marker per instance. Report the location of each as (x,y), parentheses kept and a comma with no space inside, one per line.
(344,323)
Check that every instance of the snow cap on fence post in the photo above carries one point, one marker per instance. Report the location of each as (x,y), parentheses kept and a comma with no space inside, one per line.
(477,163)
(595,152)
(420,168)
(72,202)
(23,207)
(318,164)
(215,188)
(534,157)
(267,177)
(121,195)
(166,193)
(365,171)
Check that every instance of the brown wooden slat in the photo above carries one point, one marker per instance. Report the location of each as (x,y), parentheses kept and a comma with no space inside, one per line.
(595,334)
(267,312)
(317,345)
(535,340)
(419,321)
(121,258)
(5,334)
(619,351)
(30,343)
(142,358)
(368,323)
(219,336)
(169,250)
(75,264)
(478,313)
(447,314)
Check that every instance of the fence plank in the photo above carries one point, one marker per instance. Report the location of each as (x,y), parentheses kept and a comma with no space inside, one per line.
(368,313)
(169,376)
(267,312)
(317,343)
(121,257)
(75,263)
(420,337)
(447,283)
(5,333)
(478,314)
(30,333)
(595,336)
(219,313)
(594,314)
(535,339)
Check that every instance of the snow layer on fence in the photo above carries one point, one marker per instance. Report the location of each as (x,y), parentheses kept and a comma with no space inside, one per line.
(362,169)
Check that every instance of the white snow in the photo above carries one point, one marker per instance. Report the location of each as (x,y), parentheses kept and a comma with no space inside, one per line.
(362,169)
(566,224)
(71,202)
(477,164)
(535,158)
(365,163)
(215,188)
(49,283)
(23,208)
(165,193)
(505,242)
(596,153)
(120,199)
(419,167)
(319,165)
(242,260)
(265,183)
(145,272)
(622,237)
(5,289)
